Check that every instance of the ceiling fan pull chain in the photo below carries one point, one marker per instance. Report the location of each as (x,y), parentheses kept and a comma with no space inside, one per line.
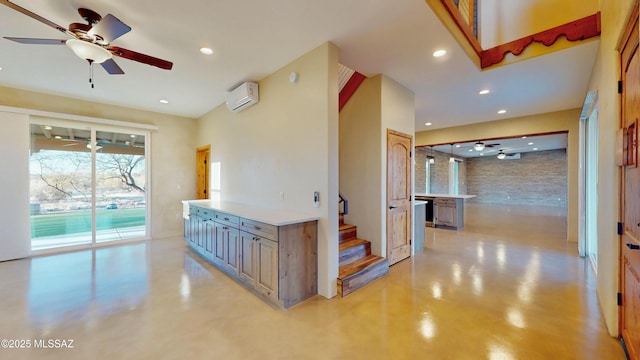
(90,72)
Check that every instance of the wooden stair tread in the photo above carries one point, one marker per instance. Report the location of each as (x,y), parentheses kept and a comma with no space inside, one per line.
(349,243)
(345,227)
(353,268)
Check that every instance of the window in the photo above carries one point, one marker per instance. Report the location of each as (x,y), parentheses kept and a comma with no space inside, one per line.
(87,185)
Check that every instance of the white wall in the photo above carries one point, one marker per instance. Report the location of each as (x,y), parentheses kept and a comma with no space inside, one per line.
(172,151)
(286,144)
(14,184)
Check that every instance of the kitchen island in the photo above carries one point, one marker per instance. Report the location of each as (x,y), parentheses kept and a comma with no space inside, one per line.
(273,253)
(444,210)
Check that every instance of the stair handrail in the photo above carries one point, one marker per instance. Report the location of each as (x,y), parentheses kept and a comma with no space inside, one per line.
(345,204)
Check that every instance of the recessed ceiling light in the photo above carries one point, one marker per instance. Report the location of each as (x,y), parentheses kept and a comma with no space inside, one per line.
(524,137)
(502,111)
(458,145)
(48,127)
(484,91)
(470,149)
(164,101)
(481,154)
(428,124)
(57,137)
(132,136)
(439,53)
(534,149)
(530,143)
(206,51)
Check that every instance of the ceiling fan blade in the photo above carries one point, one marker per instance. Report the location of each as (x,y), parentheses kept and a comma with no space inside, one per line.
(109,29)
(112,68)
(135,56)
(36,16)
(36,41)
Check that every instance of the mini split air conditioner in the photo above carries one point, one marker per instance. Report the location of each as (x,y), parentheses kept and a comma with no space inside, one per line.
(243,96)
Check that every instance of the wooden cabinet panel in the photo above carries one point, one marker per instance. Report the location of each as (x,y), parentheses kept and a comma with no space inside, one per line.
(231,245)
(247,265)
(277,262)
(267,267)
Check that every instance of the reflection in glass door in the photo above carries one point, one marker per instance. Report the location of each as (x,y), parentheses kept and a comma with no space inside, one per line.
(86,186)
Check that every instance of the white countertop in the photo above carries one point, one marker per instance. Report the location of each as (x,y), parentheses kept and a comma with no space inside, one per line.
(451,196)
(269,216)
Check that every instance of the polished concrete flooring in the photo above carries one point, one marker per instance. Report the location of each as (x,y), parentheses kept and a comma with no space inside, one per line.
(508,286)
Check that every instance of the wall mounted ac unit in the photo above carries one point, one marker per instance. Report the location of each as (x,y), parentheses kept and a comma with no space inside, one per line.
(243,96)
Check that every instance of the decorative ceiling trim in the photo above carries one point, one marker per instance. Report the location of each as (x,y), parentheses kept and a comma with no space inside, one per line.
(350,88)
(577,30)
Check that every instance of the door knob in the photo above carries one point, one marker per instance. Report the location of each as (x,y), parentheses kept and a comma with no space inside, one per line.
(391,207)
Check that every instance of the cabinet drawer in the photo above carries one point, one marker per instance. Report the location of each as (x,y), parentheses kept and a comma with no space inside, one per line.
(449,202)
(204,213)
(226,219)
(258,228)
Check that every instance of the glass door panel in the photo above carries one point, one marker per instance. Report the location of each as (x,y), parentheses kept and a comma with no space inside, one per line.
(120,186)
(60,187)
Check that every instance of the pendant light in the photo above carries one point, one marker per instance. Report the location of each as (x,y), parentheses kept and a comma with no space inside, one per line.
(479,146)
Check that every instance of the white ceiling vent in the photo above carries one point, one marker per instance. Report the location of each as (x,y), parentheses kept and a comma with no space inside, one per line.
(243,96)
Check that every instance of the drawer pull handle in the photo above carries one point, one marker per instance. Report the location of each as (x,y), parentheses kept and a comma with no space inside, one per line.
(258,227)
(633,246)
(226,219)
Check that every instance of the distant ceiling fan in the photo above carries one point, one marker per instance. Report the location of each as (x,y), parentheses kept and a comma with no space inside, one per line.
(91,41)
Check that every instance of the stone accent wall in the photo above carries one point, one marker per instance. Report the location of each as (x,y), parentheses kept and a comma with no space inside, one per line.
(537,178)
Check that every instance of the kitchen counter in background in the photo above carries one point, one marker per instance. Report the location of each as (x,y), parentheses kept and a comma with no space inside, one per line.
(444,210)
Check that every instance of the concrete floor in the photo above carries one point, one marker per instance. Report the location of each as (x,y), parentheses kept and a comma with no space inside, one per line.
(508,286)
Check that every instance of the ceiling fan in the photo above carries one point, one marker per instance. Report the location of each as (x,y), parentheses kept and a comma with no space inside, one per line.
(91,41)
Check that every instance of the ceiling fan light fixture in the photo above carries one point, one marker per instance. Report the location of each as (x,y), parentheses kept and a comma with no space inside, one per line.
(89,51)
(479,146)
(501,155)
(98,147)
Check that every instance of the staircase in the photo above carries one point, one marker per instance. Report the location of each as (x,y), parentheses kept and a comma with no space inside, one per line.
(357,266)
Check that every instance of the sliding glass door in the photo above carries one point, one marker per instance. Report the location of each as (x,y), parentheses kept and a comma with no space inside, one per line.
(87,185)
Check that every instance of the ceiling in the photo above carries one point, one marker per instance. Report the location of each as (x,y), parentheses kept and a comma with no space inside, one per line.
(252,39)
(508,146)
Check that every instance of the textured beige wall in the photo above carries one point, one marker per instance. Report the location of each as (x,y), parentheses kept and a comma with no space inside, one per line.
(379,104)
(286,143)
(172,150)
(502,21)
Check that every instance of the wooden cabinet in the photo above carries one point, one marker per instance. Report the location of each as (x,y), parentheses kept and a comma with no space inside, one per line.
(277,262)
(259,264)
(449,213)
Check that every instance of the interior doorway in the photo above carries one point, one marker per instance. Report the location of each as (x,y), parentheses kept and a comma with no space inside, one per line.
(202,169)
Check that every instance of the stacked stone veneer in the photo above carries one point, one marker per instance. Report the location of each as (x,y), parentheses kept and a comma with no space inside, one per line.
(537,178)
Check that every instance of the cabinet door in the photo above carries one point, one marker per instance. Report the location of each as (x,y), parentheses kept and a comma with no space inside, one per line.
(209,235)
(267,267)
(231,243)
(202,235)
(446,215)
(218,244)
(247,263)
(186,229)
(193,233)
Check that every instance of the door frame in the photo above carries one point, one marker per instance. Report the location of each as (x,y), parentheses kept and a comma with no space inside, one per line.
(203,172)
